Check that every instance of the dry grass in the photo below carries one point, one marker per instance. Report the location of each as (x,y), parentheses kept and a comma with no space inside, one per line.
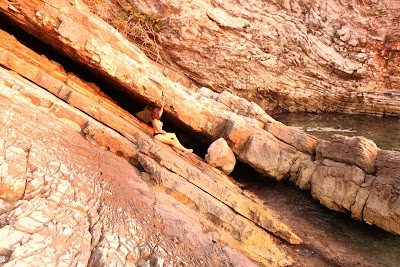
(135,25)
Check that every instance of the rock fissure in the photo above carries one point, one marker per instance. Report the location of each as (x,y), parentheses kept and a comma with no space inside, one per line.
(119,133)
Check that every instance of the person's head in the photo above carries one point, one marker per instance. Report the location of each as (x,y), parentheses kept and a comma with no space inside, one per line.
(156,114)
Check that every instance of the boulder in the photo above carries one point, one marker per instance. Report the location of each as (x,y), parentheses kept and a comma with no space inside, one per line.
(336,184)
(220,156)
(382,207)
(269,156)
(300,140)
(356,150)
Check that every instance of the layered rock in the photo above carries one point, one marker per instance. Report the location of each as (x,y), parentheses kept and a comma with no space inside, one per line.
(219,199)
(69,198)
(242,123)
(297,55)
(256,138)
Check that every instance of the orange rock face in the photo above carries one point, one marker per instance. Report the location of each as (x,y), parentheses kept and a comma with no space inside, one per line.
(80,173)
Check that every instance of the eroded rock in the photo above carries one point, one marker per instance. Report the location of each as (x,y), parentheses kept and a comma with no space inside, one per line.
(300,140)
(383,204)
(270,157)
(84,204)
(296,55)
(277,154)
(336,184)
(356,150)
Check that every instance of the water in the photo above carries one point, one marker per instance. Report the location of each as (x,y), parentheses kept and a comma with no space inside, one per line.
(331,238)
(383,131)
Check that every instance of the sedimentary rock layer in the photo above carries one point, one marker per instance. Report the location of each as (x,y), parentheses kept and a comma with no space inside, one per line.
(70,195)
(299,55)
(253,136)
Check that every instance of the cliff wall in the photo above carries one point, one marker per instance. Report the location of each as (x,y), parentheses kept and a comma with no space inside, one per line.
(344,174)
(295,55)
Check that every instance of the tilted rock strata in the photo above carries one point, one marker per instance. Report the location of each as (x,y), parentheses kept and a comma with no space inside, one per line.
(210,113)
(61,191)
(329,55)
(78,94)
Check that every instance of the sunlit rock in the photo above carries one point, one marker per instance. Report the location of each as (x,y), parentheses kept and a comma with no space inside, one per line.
(77,167)
(356,150)
(220,156)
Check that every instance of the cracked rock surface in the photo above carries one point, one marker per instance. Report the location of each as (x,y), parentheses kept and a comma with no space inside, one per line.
(77,169)
(67,202)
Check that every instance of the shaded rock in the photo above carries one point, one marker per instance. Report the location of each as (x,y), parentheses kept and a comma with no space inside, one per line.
(356,150)
(302,170)
(336,184)
(383,204)
(145,114)
(220,156)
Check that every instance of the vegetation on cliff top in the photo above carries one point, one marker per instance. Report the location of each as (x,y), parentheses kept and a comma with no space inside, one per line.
(136,25)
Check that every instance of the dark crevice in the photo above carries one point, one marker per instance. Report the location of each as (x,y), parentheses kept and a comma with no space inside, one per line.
(123,98)
(283,196)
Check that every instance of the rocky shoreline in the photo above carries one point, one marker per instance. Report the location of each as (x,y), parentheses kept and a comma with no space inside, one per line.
(67,153)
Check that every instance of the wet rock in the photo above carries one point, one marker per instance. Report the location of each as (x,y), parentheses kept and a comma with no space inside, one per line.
(356,150)
(220,156)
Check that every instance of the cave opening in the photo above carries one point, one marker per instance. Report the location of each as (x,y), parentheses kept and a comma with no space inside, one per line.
(115,92)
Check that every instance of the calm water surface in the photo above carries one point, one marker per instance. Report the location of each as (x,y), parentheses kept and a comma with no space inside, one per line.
(383,131)
(332,238)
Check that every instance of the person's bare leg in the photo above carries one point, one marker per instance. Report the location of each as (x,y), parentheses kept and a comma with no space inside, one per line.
(173,142)
(172,136)
(175,139)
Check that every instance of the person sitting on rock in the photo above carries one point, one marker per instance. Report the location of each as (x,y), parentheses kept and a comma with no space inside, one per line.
(163,136)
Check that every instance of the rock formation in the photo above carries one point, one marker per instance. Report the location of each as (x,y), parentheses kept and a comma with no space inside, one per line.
(220,155)
(71,194)
(297,55)
(76,167)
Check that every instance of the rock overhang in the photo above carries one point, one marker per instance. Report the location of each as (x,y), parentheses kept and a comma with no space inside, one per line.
(201,111)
